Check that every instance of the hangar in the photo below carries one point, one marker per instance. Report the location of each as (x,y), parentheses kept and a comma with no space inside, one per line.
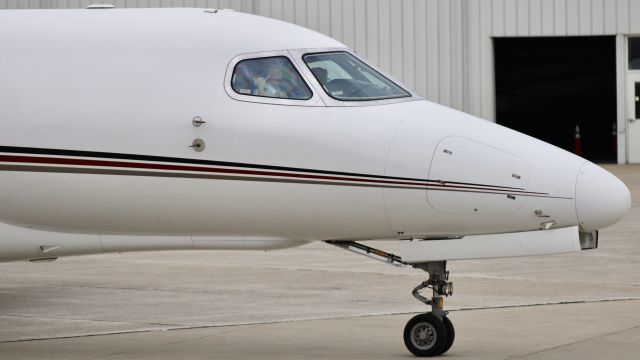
(547,68)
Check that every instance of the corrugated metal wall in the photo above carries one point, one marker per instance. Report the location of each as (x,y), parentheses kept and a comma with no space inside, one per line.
(441,48)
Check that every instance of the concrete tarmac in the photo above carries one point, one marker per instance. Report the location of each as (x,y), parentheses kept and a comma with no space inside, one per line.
(321,302)
(569,331)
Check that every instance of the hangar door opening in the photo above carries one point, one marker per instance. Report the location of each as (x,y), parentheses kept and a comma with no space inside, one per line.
(548,86)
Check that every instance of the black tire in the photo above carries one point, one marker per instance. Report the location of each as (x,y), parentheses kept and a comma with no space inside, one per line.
(425,335)
(451,334)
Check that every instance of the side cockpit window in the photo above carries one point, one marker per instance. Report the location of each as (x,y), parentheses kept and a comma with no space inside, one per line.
(344,77)
(271,77)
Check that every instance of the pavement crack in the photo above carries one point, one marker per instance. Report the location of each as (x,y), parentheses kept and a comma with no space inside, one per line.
(90,320)
(149,327)
(187,291)
(232,330)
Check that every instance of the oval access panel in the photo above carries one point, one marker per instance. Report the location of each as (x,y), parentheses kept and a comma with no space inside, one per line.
(476,178)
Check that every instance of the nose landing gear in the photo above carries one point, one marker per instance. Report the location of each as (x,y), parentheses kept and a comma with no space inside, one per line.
(431,333)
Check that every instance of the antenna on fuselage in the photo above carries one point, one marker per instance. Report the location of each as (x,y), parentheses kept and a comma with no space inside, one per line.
(100,6)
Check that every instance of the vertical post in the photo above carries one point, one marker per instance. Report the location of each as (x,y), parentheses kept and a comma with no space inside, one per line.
(621,95)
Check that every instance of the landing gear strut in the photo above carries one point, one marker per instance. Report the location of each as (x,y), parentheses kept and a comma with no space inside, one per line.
(431,333)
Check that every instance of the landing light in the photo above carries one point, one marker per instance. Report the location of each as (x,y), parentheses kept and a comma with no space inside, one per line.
(445,289)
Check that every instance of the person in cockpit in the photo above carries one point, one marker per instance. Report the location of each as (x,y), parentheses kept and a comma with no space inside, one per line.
(276,83)
(273,77)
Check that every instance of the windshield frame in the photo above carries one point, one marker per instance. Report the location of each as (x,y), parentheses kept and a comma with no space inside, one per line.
(320,98)
(404,91)
(303,81)
(314,101)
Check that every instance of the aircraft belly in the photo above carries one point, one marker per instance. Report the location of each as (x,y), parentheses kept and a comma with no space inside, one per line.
(19,243)
(528,243)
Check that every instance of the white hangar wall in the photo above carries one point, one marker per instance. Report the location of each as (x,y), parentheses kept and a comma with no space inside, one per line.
(441,48)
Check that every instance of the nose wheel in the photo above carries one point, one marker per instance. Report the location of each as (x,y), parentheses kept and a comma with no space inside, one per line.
(431,333)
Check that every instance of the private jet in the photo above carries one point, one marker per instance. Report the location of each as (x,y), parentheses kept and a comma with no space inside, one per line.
(179,129)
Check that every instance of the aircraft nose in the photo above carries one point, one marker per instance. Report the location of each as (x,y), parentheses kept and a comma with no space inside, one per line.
(601,198)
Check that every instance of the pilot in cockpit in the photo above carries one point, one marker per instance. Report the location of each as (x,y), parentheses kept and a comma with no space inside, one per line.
(322,75)
(274,77)
(275,83)
(280,80)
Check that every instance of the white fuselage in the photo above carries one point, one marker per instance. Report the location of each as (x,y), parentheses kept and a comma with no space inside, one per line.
(96,112)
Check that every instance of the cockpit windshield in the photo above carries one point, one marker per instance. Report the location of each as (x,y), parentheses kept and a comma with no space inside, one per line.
(344,77)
